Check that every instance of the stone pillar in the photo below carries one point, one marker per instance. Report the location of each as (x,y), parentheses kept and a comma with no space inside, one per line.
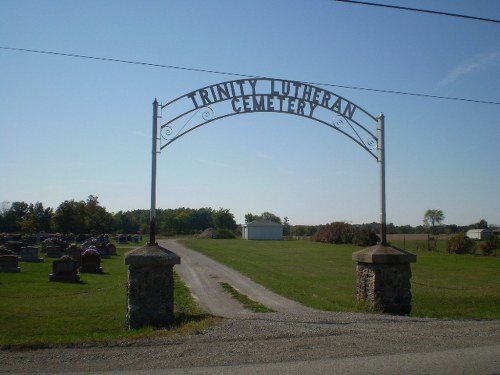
(150,287)
(383,278)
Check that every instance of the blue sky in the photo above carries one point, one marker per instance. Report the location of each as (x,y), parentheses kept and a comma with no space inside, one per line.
(73,127)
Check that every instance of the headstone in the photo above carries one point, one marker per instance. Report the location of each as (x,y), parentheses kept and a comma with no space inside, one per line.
(5,251)
(30,254)
(9,263)
(64,269)
(91,261)
(104,251)
(111,249)
(53,251)
(15,246)
(122,239)
(75,252)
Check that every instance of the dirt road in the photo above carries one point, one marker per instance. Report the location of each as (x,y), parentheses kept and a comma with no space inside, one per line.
(204,275)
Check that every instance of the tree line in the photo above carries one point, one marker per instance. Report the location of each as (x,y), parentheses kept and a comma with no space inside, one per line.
(90,217)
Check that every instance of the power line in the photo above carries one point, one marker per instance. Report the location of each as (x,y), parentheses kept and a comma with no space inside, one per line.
(107,59)
(420,10)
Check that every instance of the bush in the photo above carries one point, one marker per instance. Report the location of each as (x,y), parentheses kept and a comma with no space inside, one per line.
(461,244)
(337,232)
(490,245)
(365,236)
(223,233)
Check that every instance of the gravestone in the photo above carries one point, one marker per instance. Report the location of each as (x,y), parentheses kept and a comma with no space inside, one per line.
(75,252)
(91,261)
(53,251)
(5,251)
(122,240)
(15,246)
(111,249)
(9,263)
(64,269)
(104,251)
(30,254)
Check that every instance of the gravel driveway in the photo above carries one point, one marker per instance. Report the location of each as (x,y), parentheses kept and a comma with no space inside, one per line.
(292,340)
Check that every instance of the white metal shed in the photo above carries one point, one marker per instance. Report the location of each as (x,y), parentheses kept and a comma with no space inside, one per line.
(262,230)
(479,234)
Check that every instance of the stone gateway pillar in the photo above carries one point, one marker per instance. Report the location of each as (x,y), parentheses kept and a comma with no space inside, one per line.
(383,278)
(150,287)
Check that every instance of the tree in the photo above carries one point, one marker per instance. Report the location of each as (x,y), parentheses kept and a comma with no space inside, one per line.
(433,217)
(70,217)
(482,224)
(222,218)
(286,226)
(265,216)
(250,217)
(13,216)
(98,219)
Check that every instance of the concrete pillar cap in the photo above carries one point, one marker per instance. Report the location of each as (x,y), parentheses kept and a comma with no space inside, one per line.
(151,254)
(384,254)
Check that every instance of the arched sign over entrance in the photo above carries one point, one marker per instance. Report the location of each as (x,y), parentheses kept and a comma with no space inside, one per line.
(253,95)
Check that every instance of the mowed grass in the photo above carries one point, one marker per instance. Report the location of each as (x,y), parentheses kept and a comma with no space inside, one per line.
(35,312)
(323,276)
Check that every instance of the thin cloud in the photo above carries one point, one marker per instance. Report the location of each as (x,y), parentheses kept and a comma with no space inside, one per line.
(477,62)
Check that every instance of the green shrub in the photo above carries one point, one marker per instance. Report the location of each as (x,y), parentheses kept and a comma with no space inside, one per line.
(490,245)
(365,236)
(461,244)
(223,233)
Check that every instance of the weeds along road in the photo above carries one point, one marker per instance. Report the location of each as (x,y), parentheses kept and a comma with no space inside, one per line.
(292,340)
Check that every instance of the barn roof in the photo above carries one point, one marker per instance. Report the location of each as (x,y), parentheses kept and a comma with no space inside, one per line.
(478,230)
(262,223)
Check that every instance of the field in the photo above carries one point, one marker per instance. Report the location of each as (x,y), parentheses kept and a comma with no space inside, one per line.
(323,276)
(35,312)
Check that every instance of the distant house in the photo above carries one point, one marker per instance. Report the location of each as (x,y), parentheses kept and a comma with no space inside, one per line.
(479,234)
(262,230)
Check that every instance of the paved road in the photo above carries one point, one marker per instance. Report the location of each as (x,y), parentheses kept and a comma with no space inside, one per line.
(293,340)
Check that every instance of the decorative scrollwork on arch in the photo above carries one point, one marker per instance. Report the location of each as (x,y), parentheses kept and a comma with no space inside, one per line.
(338,122)
(372,143)
(208,114)
(166,132)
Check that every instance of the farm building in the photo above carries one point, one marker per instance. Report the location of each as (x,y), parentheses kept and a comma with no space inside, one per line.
(262,230)
(479,234)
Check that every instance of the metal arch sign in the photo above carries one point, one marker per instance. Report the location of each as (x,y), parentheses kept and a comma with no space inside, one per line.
(269,95)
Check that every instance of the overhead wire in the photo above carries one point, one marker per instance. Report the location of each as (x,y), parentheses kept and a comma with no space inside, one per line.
(420,10)
(199,70)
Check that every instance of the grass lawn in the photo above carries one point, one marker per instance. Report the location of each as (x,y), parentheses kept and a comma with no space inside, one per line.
(323,276)
(36,312)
